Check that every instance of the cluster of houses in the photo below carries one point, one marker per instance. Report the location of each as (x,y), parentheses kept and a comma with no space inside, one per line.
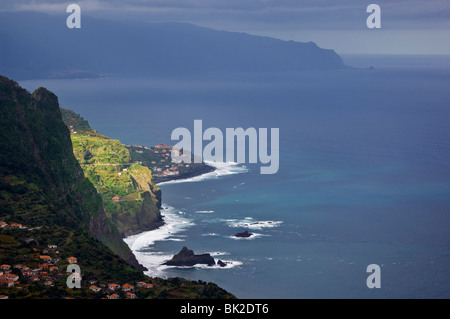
(168,172)
(4,225)
(48,272)
(128,289)
(164,166)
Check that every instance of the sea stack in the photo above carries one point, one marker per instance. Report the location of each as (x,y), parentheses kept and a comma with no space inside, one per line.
(186,257)
(244,234)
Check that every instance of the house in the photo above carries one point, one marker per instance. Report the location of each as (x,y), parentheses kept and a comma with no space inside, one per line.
(6,282)
(43,266)
(45,258)
(15,225)
(5,267)
(127,287)
(34,278)
(52,246)
(18,266)
(48,283)
(72,260)
(54,268)
(115,198)
(113,296)
(3,297)
(113,287)
(147,286)
(12,277)
(27,274)
(95,288)
(140,284)
(3,225)
(36,271)
(130,295)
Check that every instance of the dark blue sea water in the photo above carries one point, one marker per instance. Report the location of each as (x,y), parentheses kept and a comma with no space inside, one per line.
(364,175)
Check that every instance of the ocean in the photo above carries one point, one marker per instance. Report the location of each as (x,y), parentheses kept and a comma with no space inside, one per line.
(364,175)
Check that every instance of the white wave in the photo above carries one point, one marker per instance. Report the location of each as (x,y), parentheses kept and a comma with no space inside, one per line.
(250,223)
(204,211)
(228,264)
(221,169)
(236,186)
(173,224)
(210,234)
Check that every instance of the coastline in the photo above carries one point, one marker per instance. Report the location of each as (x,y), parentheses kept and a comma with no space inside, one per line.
(203,169)
(219,169)
(175,222)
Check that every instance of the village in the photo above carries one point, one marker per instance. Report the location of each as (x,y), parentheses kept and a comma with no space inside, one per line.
(158,159)
(46,266)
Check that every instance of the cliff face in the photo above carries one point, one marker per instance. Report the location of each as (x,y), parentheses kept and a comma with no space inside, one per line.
(41,181)
(130,198)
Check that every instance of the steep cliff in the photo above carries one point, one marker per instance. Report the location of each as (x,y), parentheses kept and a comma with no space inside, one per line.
(130,198)
(41,181)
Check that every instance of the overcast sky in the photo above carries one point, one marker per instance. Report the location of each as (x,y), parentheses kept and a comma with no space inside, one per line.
(413,27)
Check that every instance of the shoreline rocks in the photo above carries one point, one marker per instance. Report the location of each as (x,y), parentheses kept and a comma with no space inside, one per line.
(186,257)
(244,234)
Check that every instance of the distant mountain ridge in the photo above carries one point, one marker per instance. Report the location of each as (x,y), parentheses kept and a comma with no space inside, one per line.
(36,45)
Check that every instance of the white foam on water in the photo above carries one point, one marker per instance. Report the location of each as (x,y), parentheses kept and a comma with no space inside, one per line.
(221,169)
(228,265)
(204,211)
(210,234)
(174,223)
(250,223)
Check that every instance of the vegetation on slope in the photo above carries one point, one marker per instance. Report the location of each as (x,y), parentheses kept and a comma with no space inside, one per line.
(130,198)
(43,187)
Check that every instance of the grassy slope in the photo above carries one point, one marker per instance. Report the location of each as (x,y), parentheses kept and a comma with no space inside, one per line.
(107,164)
(42,185)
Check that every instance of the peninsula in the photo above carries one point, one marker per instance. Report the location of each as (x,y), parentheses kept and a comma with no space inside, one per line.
(57,208)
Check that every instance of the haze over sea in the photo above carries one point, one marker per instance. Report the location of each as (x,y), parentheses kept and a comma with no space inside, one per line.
(364,175)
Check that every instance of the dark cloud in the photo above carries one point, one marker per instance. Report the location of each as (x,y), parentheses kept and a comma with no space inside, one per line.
(281,14)
(334,23)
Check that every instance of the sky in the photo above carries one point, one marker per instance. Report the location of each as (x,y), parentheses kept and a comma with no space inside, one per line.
(407,27)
